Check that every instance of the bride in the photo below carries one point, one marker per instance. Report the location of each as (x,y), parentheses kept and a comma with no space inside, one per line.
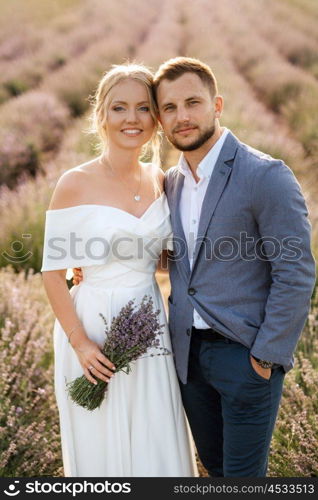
(110,217)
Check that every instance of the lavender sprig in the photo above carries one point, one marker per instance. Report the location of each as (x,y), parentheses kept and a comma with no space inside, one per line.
(131,334)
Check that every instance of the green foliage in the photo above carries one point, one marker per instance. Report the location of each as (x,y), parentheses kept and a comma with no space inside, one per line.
(15,87)
(304,57)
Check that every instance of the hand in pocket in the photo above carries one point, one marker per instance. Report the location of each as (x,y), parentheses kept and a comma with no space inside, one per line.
(262,372)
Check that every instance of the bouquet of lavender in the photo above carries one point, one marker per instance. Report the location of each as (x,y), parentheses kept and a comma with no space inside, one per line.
(131,334)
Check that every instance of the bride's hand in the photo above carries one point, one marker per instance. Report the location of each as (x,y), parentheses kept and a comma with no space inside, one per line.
(93,361)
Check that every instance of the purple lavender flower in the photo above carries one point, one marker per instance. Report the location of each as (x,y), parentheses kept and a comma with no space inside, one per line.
(131,334)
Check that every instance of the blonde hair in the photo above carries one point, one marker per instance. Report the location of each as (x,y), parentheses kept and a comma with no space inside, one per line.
(101,99)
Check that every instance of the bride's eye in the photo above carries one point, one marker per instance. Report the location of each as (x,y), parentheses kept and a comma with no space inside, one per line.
(144,108)
(118,108)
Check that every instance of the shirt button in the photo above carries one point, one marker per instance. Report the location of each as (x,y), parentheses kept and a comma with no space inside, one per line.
(188,332)
(195,189)
(192,291)
(194,221)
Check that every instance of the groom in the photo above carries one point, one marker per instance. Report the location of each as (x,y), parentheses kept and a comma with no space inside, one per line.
(241,273)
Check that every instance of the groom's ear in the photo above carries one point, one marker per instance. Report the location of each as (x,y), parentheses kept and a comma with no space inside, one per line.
(218,105)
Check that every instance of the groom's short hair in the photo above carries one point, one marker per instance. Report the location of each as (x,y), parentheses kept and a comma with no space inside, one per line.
(178,66)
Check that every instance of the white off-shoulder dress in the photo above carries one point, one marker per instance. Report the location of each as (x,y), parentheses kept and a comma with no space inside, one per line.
(140,429)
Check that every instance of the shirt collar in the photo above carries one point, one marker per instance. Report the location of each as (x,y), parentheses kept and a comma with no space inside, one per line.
(207,164)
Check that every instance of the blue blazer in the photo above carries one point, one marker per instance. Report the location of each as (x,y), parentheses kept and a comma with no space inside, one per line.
(253,271)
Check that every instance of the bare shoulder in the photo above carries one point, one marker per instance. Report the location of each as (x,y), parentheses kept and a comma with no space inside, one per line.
(70,187)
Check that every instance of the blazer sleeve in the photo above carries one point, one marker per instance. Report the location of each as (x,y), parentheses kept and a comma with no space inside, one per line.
(282,217)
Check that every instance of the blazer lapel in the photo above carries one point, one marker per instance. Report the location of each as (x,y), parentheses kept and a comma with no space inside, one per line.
(180,243)
(218,181)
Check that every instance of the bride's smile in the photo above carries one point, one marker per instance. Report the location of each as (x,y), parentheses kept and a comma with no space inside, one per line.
(129,123)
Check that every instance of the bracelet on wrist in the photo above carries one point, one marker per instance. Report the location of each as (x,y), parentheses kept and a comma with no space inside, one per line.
(72,331)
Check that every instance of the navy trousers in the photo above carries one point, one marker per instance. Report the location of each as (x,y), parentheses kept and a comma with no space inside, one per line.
(231,409)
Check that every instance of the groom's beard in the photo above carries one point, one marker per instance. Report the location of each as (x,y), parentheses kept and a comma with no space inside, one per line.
(197,143)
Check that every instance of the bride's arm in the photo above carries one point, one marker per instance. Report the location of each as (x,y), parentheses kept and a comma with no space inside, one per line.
(87,351)
(62,304)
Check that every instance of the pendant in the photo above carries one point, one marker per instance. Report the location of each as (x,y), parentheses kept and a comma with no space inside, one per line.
(137,197)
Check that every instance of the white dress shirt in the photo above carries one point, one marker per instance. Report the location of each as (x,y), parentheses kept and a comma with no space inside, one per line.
(191,200)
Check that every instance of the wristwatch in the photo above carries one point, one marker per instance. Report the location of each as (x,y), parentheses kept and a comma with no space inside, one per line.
(263,363)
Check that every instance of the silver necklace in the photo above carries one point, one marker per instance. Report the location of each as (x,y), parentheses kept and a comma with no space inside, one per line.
(137,196)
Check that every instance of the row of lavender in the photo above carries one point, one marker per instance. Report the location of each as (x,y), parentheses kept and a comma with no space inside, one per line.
(33,123)
(277,58)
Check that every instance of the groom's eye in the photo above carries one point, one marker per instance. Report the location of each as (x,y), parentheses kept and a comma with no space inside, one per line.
(170,107)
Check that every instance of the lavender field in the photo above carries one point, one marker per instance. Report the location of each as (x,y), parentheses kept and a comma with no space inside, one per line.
(52,54)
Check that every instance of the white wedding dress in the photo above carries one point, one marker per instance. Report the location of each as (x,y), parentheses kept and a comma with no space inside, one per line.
(140,428)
